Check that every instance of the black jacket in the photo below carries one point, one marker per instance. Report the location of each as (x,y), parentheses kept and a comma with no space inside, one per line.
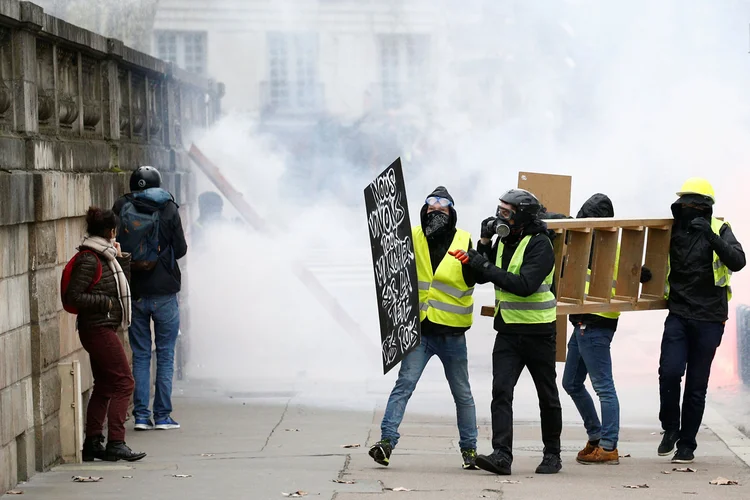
(439,246)
(599,205)
(101,306)
(693,294)
(538,261)
(165,278)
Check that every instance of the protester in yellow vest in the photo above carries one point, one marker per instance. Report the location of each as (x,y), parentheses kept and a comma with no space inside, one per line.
(446,306)
(521,265)
(703,253)
(589,355)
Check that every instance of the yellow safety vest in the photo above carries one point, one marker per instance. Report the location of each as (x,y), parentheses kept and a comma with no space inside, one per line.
(610,315)
(722,274)
(539,307)
(444,297)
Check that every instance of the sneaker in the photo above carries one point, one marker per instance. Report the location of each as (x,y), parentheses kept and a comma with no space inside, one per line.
(118,450)
(381,452)
(588,449)
(497,463)
(143,424)
(93,448)
(683,456)
(600,456)
(551,464)
(667,442)
(470,458)
(165,424)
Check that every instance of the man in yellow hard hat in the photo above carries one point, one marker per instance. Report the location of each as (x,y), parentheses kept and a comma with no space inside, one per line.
(703,253)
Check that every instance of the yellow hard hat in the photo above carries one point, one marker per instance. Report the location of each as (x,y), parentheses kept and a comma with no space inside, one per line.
(697,185)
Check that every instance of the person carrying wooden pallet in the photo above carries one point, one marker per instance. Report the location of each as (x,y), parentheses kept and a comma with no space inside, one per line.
(703,253)
(521,265)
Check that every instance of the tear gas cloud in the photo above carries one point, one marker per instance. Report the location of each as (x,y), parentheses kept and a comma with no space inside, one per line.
(630,98)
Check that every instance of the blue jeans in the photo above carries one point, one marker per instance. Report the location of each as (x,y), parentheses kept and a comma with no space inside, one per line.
(166,315)
(452,353)
(687,345)
(589,354)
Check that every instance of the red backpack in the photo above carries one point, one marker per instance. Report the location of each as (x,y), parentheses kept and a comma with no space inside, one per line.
(65,281)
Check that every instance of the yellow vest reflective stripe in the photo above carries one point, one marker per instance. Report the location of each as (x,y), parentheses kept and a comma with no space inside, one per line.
(539,307)
(610,315)
(722,274)
(444,297)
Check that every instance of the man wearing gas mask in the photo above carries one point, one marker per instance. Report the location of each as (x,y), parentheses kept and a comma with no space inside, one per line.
(703,253)
(521,265)
(445,311)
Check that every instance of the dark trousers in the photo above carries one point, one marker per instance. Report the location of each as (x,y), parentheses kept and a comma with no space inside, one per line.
(510,355)
(687,344)
(113,382)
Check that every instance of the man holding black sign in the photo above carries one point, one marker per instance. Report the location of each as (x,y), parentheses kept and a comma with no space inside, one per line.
(445,312)
(521,265)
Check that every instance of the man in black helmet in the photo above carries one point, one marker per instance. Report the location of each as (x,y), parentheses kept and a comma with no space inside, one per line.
(151,230)
(210,207)
(521,265)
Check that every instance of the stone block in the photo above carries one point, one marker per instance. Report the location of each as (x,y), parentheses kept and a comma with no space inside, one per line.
(58,195)
(45,344)
(67,156)
(50,443)
(176,183)
(6,416)
(132,156)
(14,257)
(43,243)
(14,306)
(12,153)
(28,404)
(16,190)
(70,233)
(10,365)
(25,450)
(24,353)
(45,292)
(5,472)
(69,340)
(17,401)
(105,189)
(50,391)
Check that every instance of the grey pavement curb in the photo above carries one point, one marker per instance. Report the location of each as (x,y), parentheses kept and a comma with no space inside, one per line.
(736,441)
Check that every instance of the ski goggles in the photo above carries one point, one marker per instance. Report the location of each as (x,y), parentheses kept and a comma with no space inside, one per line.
(437,200)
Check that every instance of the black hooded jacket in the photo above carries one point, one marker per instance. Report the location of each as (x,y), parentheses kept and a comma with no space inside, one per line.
(439,246)
(598,206)
(538,261)
(693,294)
(165,278)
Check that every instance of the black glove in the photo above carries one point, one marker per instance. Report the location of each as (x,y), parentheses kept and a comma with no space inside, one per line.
(488,230)
(645,274)
(477,261)
(701,225)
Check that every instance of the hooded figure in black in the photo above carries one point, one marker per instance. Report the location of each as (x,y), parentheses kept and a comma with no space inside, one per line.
(698,309)
(438,222)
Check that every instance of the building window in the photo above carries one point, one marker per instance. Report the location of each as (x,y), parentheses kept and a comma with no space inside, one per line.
(186,49)
(292,73)
(403,62)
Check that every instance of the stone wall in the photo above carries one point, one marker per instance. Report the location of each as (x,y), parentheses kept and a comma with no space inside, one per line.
(77,112)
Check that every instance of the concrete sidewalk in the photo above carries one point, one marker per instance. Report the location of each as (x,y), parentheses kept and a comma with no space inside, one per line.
(256,445)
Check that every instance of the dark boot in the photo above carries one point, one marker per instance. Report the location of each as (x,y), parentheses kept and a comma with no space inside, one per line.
(93,447)
(118,450)
(497,463)
(666,447)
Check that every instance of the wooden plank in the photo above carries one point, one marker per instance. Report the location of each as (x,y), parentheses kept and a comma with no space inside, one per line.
(657,252)
(631,257)
(602,265)
(644,304)
(576,264)
(553,191)
(600,223)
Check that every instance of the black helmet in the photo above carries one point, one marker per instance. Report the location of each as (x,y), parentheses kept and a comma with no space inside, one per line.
(523,200)
(144,178)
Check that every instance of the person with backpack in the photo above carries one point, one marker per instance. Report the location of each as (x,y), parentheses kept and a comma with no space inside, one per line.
(94,286)
(151,230)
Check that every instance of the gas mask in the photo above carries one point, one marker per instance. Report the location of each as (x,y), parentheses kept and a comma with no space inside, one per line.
(436,223)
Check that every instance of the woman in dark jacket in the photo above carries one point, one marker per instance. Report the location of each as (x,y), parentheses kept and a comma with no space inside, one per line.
(101,310)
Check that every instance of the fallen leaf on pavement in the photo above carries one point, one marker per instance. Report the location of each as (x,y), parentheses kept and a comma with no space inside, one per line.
(400,488)
(635,486)
(625,456)
(722,481)
(509,481)
(89,479)
(208,454)
(351,445)
(292,430)
(666,472)
(14,492)
(127,477)
(182,475)
(295,494)
(341,481)
(653,434)
(684,469)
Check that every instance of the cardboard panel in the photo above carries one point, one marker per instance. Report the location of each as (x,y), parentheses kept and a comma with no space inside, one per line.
(552,190)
